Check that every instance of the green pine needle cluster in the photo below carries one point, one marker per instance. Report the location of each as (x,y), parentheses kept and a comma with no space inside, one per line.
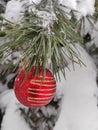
(38,44)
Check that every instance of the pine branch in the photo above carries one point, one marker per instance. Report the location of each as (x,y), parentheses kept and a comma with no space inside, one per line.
(37,44)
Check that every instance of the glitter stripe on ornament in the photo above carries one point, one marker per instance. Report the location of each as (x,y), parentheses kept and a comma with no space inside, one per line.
(46,98)
(38,101)
(39,84)
(43,80)
(37,105)
(42,94)
(38,89)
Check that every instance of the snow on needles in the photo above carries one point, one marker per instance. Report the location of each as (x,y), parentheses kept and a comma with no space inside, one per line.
(83,7)
(15,8)
(79,108)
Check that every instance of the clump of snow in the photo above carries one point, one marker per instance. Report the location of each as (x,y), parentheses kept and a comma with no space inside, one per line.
(12,119)
(69,3)
(34,1)
(47,18)
(79,106)
(15,9)
(83,7)
(2,87)
(13,12)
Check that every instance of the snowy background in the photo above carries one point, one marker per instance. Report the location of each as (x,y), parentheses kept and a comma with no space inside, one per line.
(78,109)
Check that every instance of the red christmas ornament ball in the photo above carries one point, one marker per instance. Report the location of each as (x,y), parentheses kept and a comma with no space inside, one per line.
(34,90)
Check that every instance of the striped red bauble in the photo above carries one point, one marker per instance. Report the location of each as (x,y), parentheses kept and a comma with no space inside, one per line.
(35,90)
